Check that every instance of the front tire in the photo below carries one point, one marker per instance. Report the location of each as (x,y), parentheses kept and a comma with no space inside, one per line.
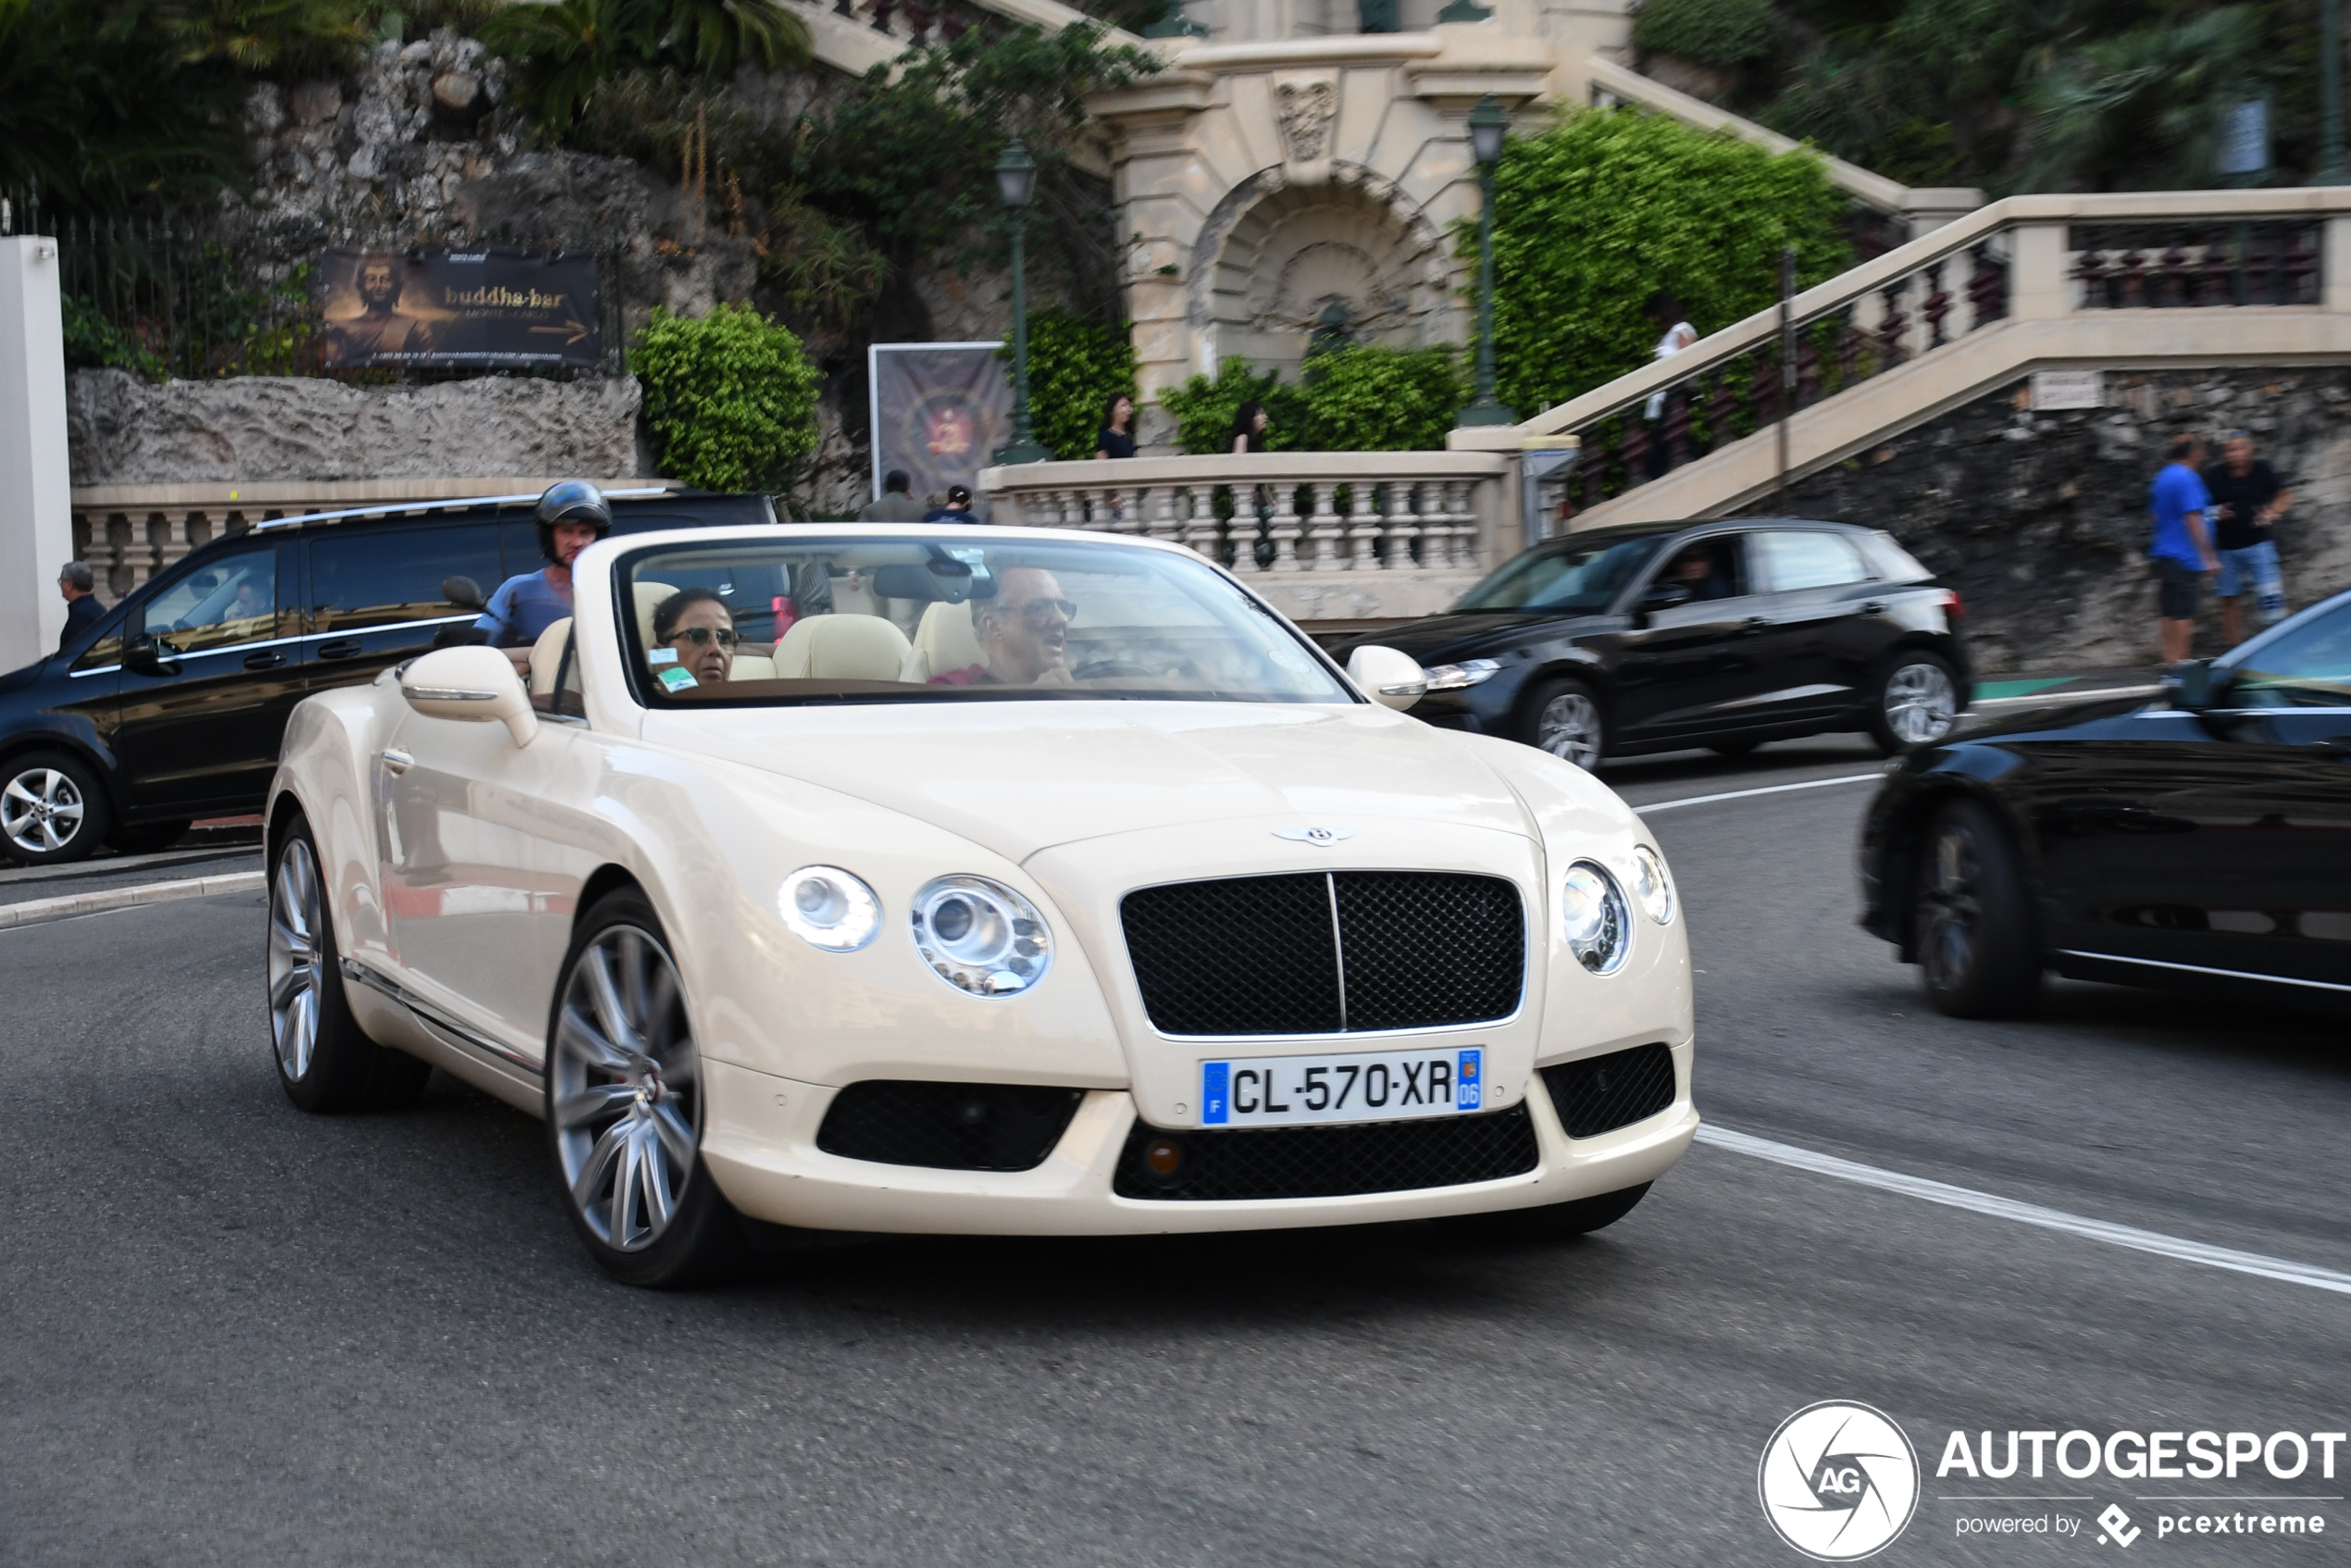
(326,1063)
(1972,919)
(625,1107)
(53,809)
(1555,1222)
(1915,703)
(1566,719)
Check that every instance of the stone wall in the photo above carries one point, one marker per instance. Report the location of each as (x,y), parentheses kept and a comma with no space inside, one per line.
(123,431)
(2040,520)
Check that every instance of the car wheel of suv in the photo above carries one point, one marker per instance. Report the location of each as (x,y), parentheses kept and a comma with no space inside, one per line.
(52,809)
(625,1106)
(1972,921)
(1917,702)
(325,1061)
(1564,719)
(1554,1222)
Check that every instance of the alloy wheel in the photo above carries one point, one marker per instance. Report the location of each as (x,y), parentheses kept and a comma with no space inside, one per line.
(297,965)
(1950,910)
(1569,727)
(1921,705)
(626,1090)
(41,810)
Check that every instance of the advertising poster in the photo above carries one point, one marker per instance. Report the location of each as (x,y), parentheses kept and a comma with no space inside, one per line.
(939,411)
(388,308)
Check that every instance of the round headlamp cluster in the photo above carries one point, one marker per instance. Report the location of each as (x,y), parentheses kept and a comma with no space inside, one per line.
(1597,921)
(830,908)
(1651,886)
(980,935)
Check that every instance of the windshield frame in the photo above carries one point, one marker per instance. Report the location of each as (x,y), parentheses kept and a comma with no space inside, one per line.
(648,696)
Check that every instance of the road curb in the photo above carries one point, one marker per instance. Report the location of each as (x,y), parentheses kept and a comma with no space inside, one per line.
(39,912)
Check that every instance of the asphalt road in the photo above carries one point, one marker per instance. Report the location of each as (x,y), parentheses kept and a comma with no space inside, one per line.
(237,1333)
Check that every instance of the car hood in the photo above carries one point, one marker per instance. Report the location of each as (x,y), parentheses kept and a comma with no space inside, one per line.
(1019,777)
(1446,639)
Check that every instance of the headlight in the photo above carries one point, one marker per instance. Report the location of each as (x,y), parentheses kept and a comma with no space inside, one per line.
(826,907)
(1651,886)
(1469,672)
(981,936)
(1600,926)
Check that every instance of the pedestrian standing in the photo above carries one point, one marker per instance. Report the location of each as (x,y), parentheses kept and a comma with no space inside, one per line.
(1117,437)
(82,603)
(896,503)
(1666,311)
(2247,497)
(1249,424)
(2181,547)
(957,510)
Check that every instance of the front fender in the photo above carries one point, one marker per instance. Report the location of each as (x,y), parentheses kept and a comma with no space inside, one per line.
(326,768)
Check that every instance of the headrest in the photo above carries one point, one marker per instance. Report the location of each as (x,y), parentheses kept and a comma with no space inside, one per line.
(944,641)
(841,648)
(649,598)
(547,656)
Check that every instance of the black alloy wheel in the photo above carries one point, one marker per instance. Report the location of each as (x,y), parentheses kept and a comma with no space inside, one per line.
(1564,718)
(325,1062)
(1552,1222)
(53,809)
(1971,917)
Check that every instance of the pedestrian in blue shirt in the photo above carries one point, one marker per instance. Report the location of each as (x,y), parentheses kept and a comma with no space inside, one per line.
(2182,546)
(572,516)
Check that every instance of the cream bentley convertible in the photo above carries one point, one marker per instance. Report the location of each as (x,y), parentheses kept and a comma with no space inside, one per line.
(864,877)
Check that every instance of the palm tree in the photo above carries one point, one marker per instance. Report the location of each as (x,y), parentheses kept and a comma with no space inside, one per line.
(571,47)
(2142,110)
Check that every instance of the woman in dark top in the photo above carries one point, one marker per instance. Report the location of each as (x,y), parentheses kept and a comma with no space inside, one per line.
(1117,437)
(1249,428)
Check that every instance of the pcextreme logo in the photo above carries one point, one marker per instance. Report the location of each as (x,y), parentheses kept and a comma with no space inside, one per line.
(1839,1481)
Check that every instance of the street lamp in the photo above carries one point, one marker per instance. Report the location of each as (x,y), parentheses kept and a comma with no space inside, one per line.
(2330,94)
(1015,182)
(1487,126)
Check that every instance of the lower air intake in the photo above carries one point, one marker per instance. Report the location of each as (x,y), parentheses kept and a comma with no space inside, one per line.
(1601,1094)
(1342,1162)
(946,1127)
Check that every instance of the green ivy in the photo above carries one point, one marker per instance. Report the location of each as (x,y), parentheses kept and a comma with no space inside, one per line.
(1204,409)
(1367,398)
(1076,365)
(1713,32)
(1610,205)
(93,343)
(730,396)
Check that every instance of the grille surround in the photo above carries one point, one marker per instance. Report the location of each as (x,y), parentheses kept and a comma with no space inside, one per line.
(1326,953)
(916,1122)
(1351,1160)
(1599,1094)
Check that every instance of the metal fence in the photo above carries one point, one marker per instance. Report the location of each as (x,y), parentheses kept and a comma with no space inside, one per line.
(198,294)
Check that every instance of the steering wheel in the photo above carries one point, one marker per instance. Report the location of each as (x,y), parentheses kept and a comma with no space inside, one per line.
(1101,668)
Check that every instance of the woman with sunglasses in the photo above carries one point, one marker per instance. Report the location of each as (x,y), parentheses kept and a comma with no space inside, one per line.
(698,630)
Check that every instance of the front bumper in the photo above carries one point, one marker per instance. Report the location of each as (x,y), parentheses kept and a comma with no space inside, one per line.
(760,1144)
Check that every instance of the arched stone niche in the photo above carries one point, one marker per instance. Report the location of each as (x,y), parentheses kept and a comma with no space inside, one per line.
(1276,256)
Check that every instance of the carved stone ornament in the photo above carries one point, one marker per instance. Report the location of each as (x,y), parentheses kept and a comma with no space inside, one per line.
(1307,105)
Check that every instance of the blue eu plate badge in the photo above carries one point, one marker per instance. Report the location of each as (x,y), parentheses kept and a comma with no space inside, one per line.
(1382,1086)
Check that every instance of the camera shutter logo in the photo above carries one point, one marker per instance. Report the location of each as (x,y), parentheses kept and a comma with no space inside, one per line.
(1839,1481)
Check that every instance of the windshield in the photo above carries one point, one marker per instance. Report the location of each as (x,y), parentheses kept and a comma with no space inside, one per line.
(953,619)
(2309,666)
(1571,577)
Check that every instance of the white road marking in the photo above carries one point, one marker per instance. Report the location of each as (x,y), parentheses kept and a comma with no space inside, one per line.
(39,912)
(1767,789)
(2026,1214)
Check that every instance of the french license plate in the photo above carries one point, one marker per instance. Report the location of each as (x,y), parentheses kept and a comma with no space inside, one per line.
(1384,1085)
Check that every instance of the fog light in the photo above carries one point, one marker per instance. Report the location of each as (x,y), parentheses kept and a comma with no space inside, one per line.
(1162,1155)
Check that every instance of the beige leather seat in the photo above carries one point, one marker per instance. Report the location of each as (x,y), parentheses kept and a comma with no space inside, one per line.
(547,656)
(840,647)
(752,666)
(649,598)
(944,641)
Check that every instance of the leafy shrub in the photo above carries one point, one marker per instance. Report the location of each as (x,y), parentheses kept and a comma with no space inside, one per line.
(1075,367)
(95,343)
(1204,409)
(731,398)
(1368,398)
(1610,205)
(1713,32)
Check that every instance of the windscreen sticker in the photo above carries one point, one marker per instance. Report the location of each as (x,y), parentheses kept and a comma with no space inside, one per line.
(677,679)
(662,657)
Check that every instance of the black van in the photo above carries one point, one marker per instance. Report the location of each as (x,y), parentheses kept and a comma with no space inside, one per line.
(171,706)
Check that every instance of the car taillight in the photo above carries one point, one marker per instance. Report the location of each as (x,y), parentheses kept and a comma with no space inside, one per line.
(1952,607)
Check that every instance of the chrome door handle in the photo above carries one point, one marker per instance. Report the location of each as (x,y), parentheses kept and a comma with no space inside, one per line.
(398,763)
(1874,608)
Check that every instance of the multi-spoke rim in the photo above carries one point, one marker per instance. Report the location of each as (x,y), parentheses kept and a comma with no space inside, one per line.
(1570,729)
(626,1088)
(296,961)
(41,810)
(1950,906)
(1920,704)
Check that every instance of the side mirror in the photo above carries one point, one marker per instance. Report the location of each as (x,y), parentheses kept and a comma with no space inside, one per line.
(463,592)
(1390,678)
(472,685)
(1665,595)
(146,656)
(2193,685)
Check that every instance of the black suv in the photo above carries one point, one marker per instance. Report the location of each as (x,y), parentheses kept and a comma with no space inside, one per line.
(171,706)
(1652,638)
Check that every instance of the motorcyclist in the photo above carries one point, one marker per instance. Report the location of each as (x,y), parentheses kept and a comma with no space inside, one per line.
(572,516)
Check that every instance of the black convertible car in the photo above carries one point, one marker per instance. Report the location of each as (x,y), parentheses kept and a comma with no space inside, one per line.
(1724,634)
(170,706)
(2200,842)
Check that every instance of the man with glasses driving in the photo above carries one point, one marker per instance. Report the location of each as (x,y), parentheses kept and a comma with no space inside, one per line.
(696,631)
(1025,629)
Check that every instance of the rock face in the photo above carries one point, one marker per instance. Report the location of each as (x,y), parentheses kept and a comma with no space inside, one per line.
(263,427)
(2040,520)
